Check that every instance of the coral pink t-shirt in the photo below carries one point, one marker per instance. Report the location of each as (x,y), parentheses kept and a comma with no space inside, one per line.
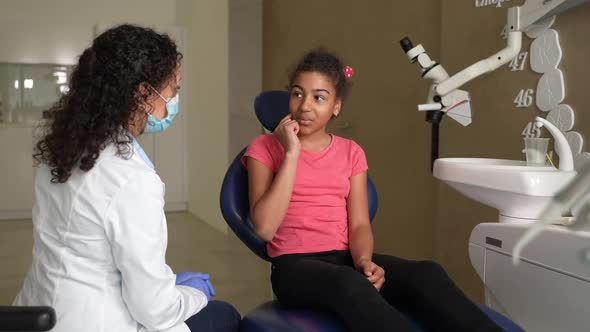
(317,218)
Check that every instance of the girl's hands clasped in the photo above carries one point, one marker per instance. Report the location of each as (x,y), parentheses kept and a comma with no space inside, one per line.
(373,272)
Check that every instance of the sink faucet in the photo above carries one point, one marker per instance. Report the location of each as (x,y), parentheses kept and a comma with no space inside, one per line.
(562,147)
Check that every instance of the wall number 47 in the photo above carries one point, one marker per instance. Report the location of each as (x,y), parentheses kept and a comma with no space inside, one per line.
(524,98)
(517,64)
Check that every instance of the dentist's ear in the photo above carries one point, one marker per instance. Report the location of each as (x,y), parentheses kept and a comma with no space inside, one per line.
(144,89)
(146,92)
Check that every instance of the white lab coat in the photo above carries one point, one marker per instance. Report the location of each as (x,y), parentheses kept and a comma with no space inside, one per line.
(99,251)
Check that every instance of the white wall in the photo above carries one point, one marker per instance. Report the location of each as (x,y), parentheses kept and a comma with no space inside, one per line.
(222,69)
(57,31)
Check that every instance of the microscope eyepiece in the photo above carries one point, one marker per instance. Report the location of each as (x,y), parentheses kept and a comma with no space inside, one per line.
(406,44)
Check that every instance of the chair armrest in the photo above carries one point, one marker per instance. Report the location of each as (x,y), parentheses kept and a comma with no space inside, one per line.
(31,319)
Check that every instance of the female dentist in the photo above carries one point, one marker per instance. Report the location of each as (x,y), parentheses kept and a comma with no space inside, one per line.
(100,231)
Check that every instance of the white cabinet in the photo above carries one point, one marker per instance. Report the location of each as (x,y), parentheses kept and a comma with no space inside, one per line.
(16,171)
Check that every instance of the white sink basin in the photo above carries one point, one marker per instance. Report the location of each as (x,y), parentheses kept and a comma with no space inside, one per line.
(516,190)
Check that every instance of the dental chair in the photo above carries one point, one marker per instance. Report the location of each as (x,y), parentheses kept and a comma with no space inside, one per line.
(29,319)
(271,107)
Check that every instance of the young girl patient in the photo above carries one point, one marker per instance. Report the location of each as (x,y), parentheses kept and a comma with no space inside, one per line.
(308,201)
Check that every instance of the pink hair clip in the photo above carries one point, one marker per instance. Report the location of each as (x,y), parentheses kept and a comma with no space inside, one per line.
(348,71)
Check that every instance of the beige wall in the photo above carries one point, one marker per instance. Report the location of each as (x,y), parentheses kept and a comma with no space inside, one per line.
(381,108)
(223,65)
(207,63)
(245,71)
(419,217)
(468,35)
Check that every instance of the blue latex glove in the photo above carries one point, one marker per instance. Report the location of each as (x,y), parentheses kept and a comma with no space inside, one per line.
(198,281)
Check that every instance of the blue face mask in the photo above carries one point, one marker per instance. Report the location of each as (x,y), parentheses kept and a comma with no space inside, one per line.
(156,125)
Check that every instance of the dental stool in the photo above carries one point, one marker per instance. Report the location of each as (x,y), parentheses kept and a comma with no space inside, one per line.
(271,107)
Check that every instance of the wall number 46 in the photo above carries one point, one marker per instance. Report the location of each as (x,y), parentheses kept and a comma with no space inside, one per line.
(524,98)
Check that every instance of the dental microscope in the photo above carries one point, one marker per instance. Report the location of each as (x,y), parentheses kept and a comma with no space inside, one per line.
(444,95)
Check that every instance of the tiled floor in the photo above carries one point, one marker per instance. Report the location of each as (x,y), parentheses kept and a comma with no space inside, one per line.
(238,276)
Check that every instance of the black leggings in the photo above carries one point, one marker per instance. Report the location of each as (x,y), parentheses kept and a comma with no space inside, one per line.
(421,289)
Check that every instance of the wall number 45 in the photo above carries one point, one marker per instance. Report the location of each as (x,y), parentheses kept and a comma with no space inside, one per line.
(524,98)
(531,130)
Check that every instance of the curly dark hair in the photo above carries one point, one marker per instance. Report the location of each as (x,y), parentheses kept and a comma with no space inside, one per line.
(322,61)
(104,96)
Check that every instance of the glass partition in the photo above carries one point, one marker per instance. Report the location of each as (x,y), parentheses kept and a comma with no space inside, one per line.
(26,90)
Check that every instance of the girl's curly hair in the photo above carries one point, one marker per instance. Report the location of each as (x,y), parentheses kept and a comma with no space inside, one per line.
(327,63)
(104,97)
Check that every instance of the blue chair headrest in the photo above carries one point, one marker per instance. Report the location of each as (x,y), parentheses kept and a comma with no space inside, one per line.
(271,107)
